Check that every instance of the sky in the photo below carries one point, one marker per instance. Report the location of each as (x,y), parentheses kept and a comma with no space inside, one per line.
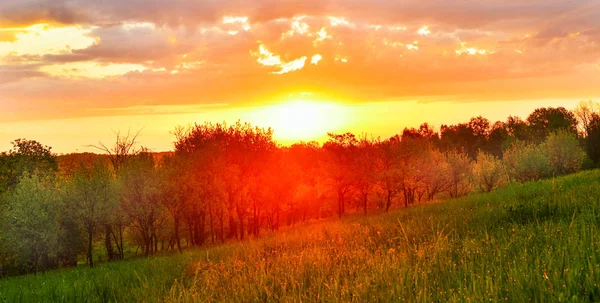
(74,72)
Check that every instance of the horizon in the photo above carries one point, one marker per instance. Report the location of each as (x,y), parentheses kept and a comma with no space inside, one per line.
(159,138)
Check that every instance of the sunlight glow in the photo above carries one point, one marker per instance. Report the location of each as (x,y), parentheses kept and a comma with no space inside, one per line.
(303,119)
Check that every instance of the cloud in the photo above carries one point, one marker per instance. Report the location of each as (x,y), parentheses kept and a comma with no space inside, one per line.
(154,53)
(190,12)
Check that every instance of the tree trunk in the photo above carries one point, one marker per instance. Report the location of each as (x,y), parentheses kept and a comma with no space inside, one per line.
(365,201)
(340,203)
(177,239)
(90,248)
(232,226)
(212,223)
(388,203)
(108,243)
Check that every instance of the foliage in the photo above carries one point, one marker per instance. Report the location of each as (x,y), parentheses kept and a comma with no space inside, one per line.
(32,223)
(564,153)
(489,172)
(141,199)
(593,139)
(528,242)
(90,197)
(544,121)
(226,182)
(527,162)
(459,174)
(26,156)
(584,112)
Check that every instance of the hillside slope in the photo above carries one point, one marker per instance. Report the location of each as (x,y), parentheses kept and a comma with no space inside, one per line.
(536,241)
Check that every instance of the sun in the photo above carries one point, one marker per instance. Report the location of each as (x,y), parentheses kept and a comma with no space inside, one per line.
(303,120)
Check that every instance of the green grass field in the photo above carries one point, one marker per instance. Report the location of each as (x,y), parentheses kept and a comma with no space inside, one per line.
(536,242)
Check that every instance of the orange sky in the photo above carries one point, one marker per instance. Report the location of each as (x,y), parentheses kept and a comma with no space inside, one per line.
(72,72)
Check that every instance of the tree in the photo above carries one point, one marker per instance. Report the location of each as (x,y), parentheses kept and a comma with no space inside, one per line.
(459,137)
(544,121)
(33,223)
(488,171)
(517,129)
(141,199)
(340,151)
(124,148)
(584,113)
(26,156)
(564,153)
(390,170)
(436,177)
(527,162)
(89,197)
(236,155)
(459,174)
(366,169)
(499,139)
(593,139)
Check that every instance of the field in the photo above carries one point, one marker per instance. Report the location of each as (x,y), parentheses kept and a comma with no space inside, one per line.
(536,242)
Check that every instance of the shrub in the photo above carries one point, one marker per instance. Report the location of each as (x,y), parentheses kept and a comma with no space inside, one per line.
(459,174)
(564,153)
(527,162)
(488,172)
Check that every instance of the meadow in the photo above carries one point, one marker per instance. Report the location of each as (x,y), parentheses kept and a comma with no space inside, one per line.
(532,242)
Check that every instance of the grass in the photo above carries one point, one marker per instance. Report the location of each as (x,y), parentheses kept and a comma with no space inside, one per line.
(536,242)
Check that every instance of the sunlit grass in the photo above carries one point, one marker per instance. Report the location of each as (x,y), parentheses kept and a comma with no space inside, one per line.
(534,242)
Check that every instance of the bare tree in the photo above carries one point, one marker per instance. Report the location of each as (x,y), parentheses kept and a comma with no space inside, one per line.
(125,146)
(584,113)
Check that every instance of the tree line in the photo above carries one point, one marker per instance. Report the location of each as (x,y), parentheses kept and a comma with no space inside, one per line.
(226,182)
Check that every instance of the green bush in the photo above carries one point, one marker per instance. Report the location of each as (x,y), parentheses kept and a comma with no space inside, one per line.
(564,152)
(488,172)
(527,162)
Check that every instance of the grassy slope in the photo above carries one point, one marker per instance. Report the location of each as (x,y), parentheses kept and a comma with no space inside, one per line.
(535,242)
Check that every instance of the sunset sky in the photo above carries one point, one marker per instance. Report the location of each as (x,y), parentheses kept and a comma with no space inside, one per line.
(74,71)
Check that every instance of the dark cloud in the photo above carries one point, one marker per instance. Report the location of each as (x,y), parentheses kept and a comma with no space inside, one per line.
(15,73)
(462,13)
(192,58)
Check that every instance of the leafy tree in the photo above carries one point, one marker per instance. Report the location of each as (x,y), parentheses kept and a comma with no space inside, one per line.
(390,171)
(33,223)
(527,162)
(517,129)
(90,196)
(544,121)
(436,178)
(366,169)
(564,153)
(459,137)
(340,151)
(141,199)
(124,148)
(26,156)
(499,139)
(593,139)
(459,174)
(488,171)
